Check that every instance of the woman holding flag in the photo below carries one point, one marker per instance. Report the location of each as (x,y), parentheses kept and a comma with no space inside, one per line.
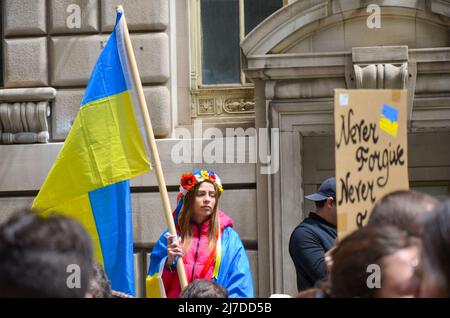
(209,246)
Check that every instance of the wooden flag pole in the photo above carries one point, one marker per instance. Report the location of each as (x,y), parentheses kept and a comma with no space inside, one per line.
(152,144)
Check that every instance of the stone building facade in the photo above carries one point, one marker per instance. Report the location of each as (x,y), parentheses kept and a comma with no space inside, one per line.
(294,59)
(49,48)
(299,55)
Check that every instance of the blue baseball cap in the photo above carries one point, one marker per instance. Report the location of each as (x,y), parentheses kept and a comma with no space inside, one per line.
(327,189)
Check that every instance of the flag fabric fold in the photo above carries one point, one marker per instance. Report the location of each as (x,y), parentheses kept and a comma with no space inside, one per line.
(103,150)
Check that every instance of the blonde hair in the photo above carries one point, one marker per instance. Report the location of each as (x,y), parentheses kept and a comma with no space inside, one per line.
(185,220)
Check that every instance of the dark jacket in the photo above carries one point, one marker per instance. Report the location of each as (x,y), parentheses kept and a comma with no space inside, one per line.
(309,242)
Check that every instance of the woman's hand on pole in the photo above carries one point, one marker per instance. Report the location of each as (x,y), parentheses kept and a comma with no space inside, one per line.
(173,249)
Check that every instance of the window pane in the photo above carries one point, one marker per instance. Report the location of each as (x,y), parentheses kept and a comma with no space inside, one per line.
(220,41)
(256,11)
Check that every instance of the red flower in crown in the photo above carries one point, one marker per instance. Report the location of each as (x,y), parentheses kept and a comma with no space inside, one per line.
(188,181)
(212,177)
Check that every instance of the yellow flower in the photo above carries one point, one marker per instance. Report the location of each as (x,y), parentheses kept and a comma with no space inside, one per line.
(205,175)
(219,187)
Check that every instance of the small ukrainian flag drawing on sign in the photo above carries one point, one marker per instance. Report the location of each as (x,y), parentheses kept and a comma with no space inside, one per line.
(389,120)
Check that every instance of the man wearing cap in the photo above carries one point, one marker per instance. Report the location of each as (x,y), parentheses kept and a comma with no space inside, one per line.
(314,236)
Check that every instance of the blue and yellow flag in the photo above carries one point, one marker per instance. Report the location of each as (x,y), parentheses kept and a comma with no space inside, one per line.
(389,120)
(103,150)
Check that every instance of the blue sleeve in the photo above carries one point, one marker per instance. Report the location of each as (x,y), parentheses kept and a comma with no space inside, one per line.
(235,273)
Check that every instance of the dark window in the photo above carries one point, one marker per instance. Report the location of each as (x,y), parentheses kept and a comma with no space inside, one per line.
(220,36)
(256,11)
(220,41)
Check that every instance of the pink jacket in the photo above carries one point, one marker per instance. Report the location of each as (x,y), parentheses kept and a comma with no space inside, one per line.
(195,259)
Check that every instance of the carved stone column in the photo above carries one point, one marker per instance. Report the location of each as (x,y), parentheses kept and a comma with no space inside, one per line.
(23,115)
(385,67)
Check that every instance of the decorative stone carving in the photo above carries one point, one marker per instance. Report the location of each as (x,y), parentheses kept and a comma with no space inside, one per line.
(23,115)
(381,76)
(25,122)
(387,67)
(206,106)
(239,106)
(236,105)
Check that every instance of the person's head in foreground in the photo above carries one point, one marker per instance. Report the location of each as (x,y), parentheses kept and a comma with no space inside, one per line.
(405,209)
(44,257)
(375,262)
(99,286)
(435,261)
(202,288)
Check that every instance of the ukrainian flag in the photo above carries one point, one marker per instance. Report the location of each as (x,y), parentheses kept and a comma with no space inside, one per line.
(389,120)
(104,149)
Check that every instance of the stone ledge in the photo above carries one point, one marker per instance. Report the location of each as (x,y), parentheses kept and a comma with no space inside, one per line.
(27,94)
(393,54)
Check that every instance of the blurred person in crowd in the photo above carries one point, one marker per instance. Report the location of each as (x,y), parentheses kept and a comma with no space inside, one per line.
(374,262)
(118,294)
(44,257)
(202,288)
(435,260)
(314,236)
(405,209)
(99,285)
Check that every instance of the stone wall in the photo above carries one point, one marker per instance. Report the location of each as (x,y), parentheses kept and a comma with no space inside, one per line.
(49,50)
(56,43)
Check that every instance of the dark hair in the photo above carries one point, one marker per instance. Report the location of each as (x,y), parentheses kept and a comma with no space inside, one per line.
(35,254)
(99,286)
(404,209)
(356,252)
(202,288)
(436,248)
(321,204)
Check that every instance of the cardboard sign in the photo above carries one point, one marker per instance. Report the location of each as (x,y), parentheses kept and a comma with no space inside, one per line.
(371,151)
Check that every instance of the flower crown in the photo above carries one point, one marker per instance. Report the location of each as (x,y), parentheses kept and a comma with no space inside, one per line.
(189,180)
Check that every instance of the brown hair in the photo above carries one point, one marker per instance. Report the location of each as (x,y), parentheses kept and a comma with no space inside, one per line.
(404,209)
(185,218)
(202,288)
(436,248)
(353,255)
